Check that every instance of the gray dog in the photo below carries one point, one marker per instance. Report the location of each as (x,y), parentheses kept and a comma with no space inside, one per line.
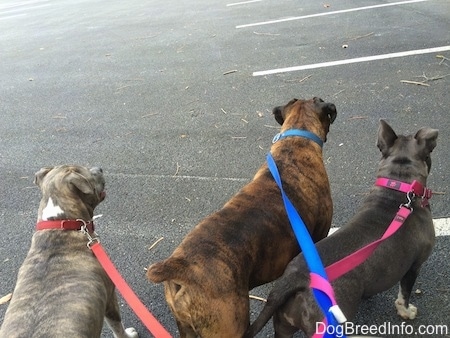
(61,290)
(398,258)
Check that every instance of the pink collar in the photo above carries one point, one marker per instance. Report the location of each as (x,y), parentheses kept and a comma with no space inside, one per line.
(414,189)
(64,224)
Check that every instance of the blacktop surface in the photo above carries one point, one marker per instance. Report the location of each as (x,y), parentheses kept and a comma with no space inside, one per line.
(172,100)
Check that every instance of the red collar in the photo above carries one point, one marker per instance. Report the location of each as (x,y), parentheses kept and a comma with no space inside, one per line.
(65,225)
(415,188)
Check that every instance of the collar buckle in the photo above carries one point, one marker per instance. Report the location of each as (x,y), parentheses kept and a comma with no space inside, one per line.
(276,137)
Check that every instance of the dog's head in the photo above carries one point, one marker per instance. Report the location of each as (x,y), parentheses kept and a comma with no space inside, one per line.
(69,192)
(405,158)
(313,115)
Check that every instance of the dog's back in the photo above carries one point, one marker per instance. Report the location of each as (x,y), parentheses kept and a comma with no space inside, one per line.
(58,283)
(61,289)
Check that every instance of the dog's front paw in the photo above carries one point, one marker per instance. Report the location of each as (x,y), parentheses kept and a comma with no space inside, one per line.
(131,332)
(405,313)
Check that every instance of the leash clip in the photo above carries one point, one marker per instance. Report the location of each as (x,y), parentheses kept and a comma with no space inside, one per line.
(92,239)
(276,137)
(410,196)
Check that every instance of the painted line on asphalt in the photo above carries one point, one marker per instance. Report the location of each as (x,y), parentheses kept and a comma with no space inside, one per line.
(441,226)
(186,177)
(32,7)
(243,3)
(18,4)
(355,60)
(11,16)
(328,13)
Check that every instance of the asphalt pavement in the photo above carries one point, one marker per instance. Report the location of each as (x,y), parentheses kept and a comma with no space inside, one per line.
(170,98)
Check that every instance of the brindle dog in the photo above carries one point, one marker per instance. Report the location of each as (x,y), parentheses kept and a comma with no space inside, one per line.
(398,258)
(249,241)
(62,290)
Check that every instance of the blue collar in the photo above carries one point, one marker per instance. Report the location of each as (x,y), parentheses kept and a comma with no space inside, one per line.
(298,132)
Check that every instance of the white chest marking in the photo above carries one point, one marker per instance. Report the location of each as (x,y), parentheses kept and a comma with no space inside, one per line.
(51,210)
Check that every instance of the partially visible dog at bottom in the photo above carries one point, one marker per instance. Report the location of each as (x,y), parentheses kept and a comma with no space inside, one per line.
(249,241)
(398,258)
(61,289)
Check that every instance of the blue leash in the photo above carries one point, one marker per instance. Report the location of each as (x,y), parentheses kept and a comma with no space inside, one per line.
(310,253)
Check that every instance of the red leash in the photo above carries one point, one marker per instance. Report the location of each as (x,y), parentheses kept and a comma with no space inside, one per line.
(350,262)
(127,293)
(125,290)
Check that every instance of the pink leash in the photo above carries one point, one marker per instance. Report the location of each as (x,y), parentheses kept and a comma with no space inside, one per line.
(350,262)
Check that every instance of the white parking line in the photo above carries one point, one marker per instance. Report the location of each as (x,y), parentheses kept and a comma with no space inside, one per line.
(328,13)
(243,3)
(441,226)
(186,177)
(32,7)
(355,60)
(11,16)
(18,4)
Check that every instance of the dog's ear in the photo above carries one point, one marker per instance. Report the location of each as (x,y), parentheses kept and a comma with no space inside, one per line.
(80,182)
(171,268)
(39,176)
(328,110)
(426,139)
(386,137)
(280,112)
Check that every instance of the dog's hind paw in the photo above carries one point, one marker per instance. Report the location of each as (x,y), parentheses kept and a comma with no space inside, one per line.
(131,332)
(405,313)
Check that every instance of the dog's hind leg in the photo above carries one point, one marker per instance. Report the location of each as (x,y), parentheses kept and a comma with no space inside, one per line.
(404,308)
(112,317)
(119,331)
(224,318)
(186,331)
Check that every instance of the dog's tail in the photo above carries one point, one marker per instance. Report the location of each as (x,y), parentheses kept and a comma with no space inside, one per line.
(281,292)
(166,270)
